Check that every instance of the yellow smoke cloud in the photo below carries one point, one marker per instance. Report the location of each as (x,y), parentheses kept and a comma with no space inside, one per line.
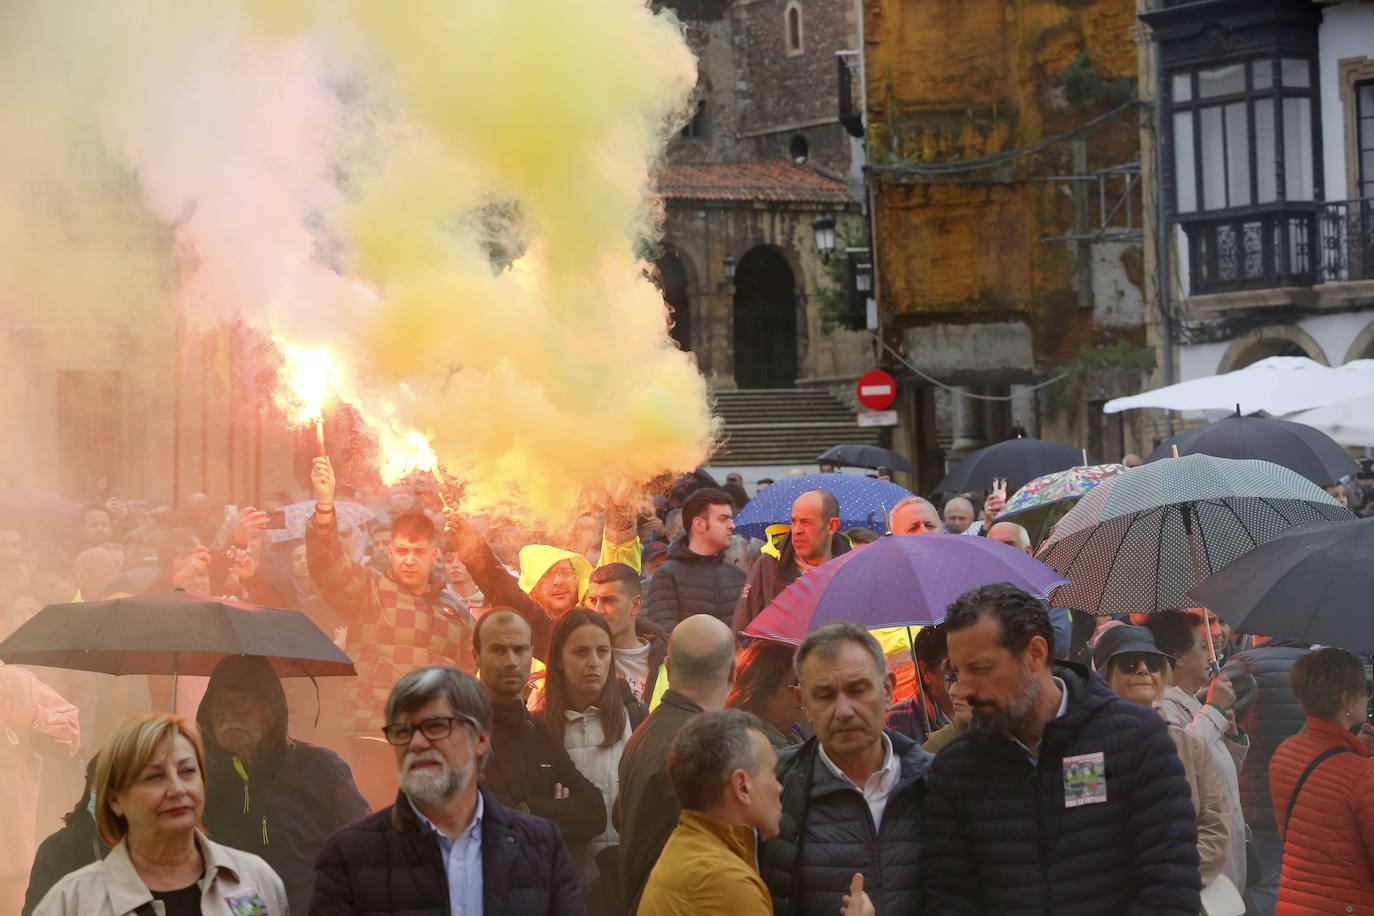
(340,173)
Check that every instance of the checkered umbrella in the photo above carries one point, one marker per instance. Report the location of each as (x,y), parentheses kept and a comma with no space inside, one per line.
(1139,541)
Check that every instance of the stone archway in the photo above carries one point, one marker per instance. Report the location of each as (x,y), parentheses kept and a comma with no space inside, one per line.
(1362,347)
(1276,340)
(671,278)
(765,320)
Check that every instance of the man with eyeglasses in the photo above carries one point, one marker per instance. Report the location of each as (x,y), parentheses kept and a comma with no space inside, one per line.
(1063,797)
(447,845)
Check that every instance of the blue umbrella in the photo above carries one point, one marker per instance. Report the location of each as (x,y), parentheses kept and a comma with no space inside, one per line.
(864,502)
(899,580)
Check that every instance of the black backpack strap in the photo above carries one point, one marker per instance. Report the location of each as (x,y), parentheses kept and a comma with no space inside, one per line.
(1293,799)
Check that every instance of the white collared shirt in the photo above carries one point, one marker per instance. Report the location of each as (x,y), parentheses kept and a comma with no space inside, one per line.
(1034,755)
(879,785)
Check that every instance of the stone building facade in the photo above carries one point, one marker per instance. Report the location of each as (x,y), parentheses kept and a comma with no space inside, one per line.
(1004,147)
(1259,162)
(764,155)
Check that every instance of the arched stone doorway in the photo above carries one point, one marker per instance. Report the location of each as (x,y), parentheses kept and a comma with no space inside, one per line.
(765,320)
(671,278)
(1276,340)
(1362,347)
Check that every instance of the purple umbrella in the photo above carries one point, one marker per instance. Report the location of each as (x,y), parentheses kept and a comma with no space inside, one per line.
(899,580)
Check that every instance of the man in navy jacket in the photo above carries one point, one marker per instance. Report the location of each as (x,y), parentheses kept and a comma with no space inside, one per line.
(446,846)
(1063,798)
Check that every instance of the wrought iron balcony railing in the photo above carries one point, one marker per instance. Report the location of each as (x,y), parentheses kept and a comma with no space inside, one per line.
(1301,244)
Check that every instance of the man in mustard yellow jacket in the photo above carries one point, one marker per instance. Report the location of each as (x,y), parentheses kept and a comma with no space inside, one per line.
(722,769)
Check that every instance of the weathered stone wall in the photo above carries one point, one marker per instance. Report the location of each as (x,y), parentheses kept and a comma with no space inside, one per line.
(949,81)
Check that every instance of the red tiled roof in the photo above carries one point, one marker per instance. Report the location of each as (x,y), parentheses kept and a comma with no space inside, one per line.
(777,181)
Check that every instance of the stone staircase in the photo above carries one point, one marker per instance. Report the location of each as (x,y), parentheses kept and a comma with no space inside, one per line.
(776,426)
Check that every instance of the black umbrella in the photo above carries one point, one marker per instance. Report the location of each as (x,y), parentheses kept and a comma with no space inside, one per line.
(1296,446)
(1019,460)
(1140,541)
(1314,583)
(171,633)
(684,486)
(865,456)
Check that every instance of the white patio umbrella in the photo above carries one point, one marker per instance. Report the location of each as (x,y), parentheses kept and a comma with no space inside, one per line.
(1348,422)
(1278,385)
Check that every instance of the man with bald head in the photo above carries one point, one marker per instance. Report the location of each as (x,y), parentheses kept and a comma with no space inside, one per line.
(813,537)
(913,515)
(1011,534)
(701,669)
(958,515)
(1014,535)
(531,771)
(94,570)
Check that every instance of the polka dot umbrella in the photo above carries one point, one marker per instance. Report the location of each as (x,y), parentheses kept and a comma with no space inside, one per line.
(1140,541)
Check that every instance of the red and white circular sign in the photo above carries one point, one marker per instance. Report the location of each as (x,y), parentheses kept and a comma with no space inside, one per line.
(877,390)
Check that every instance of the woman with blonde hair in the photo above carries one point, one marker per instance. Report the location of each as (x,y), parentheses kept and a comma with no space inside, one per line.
(150,794)
(1130,662)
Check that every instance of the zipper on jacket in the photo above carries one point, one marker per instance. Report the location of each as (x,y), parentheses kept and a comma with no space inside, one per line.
(1040,834)
(243,774)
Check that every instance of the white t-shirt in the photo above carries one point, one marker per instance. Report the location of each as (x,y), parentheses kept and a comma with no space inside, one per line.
(633,666)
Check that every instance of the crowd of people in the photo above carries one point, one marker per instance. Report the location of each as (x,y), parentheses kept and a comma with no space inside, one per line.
(572,722)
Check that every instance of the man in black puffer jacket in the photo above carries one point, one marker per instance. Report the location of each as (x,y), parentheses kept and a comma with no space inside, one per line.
(695,579)
(851,795)
(1064,798)
(399,860)
(1271,718)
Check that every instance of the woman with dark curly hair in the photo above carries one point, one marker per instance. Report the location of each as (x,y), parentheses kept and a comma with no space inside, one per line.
(766,685)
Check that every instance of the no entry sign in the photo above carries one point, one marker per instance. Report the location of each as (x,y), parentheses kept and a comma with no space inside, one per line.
(877,390)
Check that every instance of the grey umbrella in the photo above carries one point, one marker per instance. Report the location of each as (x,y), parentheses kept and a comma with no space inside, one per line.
(1140,541)
(1313,582)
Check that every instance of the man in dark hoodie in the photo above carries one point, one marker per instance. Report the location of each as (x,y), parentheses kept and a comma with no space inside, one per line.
(813,539)
(266,793)
(695,579)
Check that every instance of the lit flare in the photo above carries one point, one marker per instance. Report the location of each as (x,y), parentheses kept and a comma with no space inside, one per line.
(307,374)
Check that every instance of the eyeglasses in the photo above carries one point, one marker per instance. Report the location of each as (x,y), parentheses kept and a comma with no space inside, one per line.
(434,729)
(1129,663)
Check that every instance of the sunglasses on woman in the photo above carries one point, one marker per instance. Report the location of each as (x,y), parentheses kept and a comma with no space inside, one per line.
(1130,662)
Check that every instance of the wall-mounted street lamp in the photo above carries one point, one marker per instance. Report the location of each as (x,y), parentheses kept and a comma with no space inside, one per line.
(824,227)
(729,264)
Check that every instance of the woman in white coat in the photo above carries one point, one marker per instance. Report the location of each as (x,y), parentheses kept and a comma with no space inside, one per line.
(150,794)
